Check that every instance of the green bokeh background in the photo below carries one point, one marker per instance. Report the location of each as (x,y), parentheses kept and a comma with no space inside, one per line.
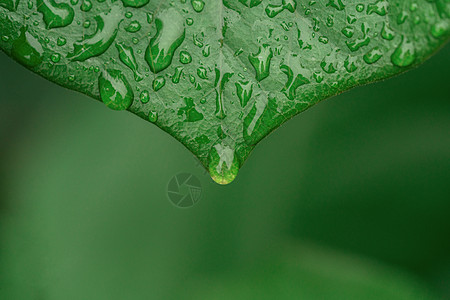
(349,200)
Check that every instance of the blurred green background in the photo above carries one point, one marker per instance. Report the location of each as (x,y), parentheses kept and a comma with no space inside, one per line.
(349,200)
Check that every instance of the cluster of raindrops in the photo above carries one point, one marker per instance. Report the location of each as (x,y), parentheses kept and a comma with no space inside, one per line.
(199,62)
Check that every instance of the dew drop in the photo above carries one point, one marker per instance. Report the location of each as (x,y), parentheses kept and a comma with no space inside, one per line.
(55,14)
(206,51)
(261,62)
(348,31)
(223,164)
(86,5)
(27,49)
(144,97)
(261,119)
(318,76)
(244,90)
(86,24)
(202,73)
(10,4)
(189,111)
(169,36)
(101,40)
(350,64)
(405,54)
(439,29)
(373,55)
(387,33)
(115,91)
(177,75)
(185,57)
(133,27)
(198,5)
(159,83)
(295,78)
(251,3)
(360,7)
(135,3)
(149,18)
(56,57)
(380,7)
(153,116)
(61,41)
(126,56)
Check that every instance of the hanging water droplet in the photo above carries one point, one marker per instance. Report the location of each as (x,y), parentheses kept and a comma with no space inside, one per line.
(223,164)
(115,91)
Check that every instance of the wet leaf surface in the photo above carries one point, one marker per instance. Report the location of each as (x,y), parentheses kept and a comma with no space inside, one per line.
(219,76)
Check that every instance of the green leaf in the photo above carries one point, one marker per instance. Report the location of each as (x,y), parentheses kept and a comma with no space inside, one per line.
(219,76)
